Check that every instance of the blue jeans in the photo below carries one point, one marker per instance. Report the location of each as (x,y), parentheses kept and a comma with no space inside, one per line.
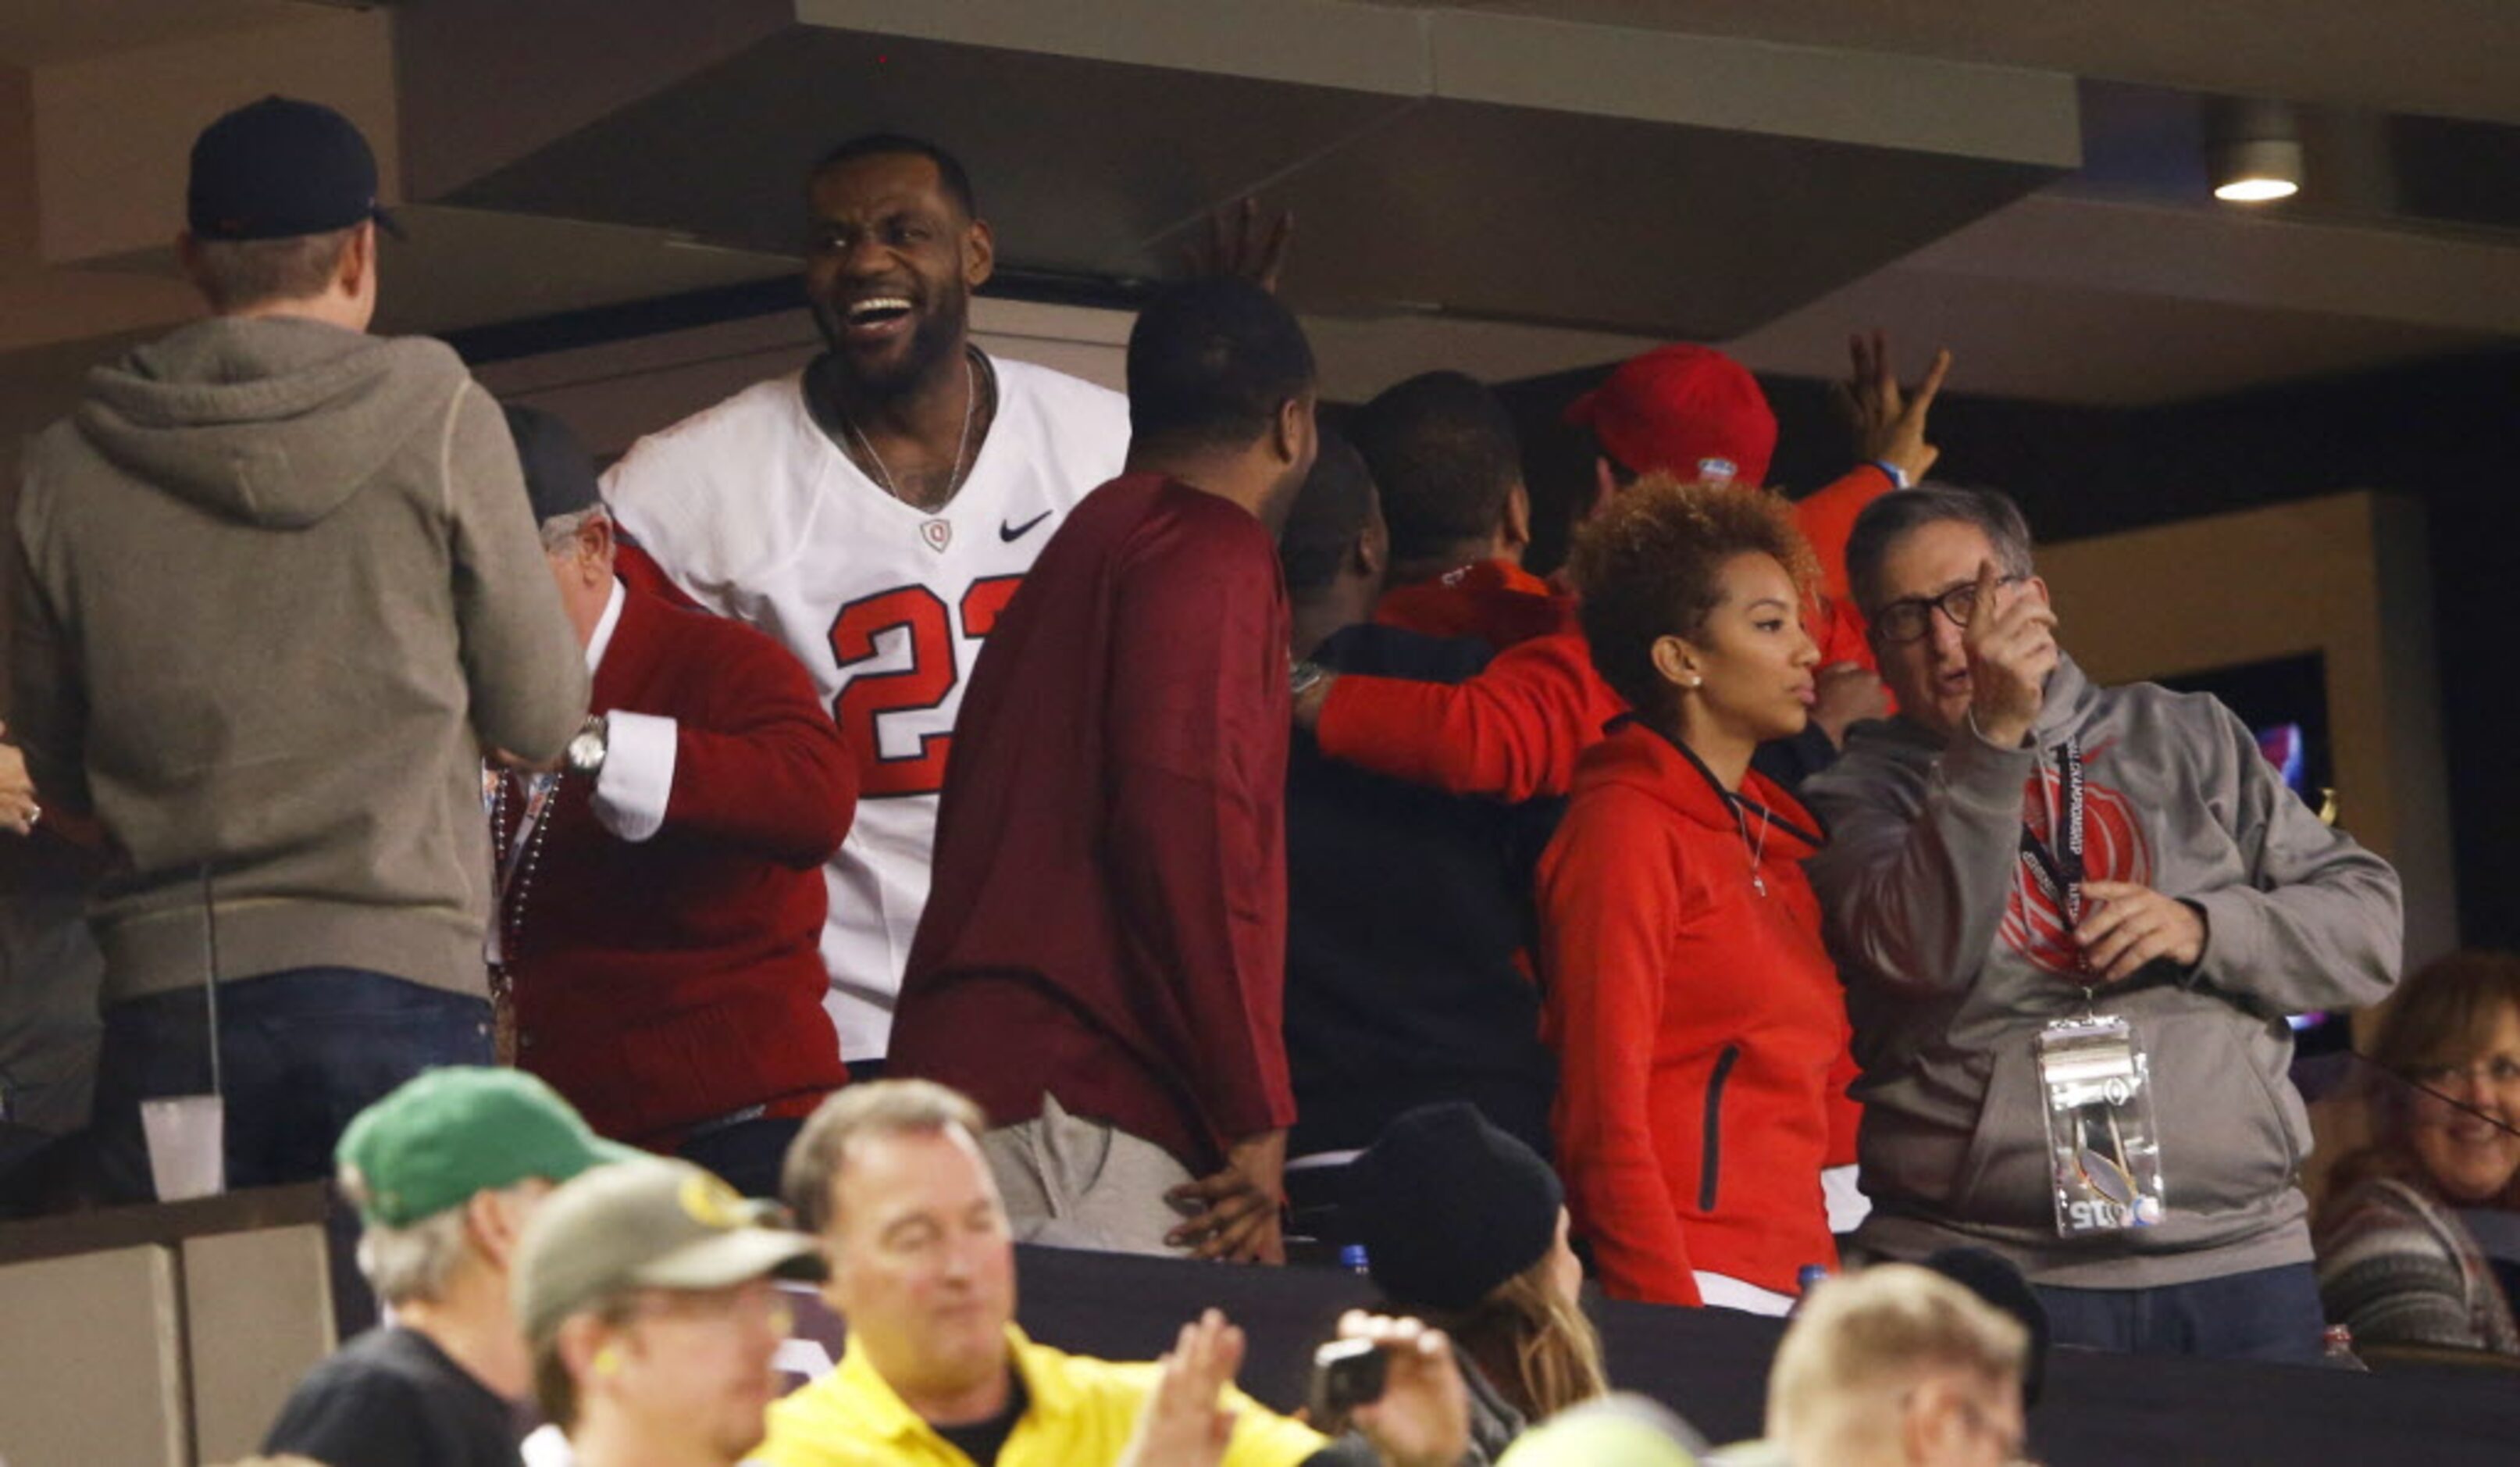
(747,1156)
(2269,1314)
(301,1052)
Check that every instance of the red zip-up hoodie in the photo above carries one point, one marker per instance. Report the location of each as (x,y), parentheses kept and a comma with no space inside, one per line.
(1697,1021)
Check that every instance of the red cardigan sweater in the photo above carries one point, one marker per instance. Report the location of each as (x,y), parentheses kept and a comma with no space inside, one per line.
(677,980)
(1697,1021)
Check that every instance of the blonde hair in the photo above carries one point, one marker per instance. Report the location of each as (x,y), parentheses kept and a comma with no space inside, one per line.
(236,274)
(882,1108)
(1889,1325)
(1533,1344)
(2443,1015)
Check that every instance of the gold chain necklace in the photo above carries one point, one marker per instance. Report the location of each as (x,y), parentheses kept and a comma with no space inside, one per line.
(954,481)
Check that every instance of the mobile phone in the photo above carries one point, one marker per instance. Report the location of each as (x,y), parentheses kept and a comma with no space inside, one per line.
(1346,1374)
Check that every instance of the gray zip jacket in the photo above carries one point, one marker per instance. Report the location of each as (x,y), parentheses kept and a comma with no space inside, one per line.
(1955,957)
(280,583)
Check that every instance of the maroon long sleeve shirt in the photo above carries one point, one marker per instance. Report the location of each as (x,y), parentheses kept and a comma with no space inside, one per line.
(1108,919)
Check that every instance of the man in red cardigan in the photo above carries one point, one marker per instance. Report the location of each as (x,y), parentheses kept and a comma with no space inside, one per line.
(660,892)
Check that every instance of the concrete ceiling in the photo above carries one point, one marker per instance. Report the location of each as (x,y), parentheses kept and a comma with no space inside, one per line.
(1434,174)
(1504,184)
(51,32)
(2440,57)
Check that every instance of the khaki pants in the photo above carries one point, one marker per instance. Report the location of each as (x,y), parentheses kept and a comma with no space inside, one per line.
(1072,1182)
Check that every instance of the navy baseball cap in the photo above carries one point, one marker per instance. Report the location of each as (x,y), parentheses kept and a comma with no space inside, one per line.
(560,476)
(280,167)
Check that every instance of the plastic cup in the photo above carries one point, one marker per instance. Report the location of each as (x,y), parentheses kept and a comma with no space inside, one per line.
(187,1145)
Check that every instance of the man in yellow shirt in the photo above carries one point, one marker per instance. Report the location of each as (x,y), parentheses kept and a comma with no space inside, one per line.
(922,1271)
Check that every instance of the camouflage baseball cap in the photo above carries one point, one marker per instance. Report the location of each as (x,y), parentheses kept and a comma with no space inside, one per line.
(652,1224)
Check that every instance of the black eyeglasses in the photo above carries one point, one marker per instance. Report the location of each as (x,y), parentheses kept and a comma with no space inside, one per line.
(1909,618)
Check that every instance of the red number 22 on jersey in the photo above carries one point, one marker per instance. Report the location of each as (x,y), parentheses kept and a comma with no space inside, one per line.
(936,666)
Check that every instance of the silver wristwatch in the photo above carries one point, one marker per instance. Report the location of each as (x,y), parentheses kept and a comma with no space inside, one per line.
(587,746)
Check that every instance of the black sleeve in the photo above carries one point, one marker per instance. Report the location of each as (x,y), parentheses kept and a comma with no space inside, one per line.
(1791,760)
(354,1419)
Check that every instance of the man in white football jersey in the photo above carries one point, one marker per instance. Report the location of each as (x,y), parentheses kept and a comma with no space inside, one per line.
(874,513)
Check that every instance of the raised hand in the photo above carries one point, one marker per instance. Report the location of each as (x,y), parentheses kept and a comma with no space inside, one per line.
(1241,243)
(2125,926)
(2011,645)
(1888,423)
(1183,1422)
(1423,1416)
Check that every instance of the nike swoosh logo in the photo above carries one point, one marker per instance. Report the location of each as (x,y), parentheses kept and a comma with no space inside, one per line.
(1011,533)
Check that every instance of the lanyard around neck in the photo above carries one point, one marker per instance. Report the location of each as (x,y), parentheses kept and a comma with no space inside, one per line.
(2057,864)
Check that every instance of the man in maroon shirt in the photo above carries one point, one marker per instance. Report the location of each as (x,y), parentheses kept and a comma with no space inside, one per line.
(1103,958)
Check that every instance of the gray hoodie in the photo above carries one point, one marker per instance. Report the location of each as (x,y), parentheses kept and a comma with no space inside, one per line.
(1935,927)
(280,583)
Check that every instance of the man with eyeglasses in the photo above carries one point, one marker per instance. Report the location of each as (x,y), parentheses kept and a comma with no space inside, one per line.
(2071,920)
(648,1293)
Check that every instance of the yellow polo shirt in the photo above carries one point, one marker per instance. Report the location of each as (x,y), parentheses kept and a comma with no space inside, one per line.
(1081,1414)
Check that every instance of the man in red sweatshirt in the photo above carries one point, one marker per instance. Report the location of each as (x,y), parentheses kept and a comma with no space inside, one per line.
(1445,460)
(1101,961)
(1692,412)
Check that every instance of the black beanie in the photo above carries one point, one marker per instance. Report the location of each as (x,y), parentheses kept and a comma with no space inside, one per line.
(1448,1206)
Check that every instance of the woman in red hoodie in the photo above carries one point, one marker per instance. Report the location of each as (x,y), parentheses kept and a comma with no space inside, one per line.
(1695,1015)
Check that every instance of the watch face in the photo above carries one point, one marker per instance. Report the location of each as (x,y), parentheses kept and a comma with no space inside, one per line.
(586,750)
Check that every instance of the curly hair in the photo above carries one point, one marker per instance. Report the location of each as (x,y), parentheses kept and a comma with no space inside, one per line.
(1652,565)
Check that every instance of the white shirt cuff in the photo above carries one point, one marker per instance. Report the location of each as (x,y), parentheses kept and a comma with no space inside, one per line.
(638,774)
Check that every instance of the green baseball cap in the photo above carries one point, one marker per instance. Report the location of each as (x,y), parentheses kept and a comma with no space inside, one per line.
(452,1132)
(652,1223)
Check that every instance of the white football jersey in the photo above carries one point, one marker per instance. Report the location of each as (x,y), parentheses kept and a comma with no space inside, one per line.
(757,514)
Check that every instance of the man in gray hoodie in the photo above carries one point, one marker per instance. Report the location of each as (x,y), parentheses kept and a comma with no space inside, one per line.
(280,588)
(2020,846)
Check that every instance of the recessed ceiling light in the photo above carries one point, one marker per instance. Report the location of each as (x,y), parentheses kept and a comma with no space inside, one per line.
(2255,190)
(2253,151)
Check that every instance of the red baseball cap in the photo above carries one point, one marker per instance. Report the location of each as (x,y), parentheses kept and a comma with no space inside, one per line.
(1685,410)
